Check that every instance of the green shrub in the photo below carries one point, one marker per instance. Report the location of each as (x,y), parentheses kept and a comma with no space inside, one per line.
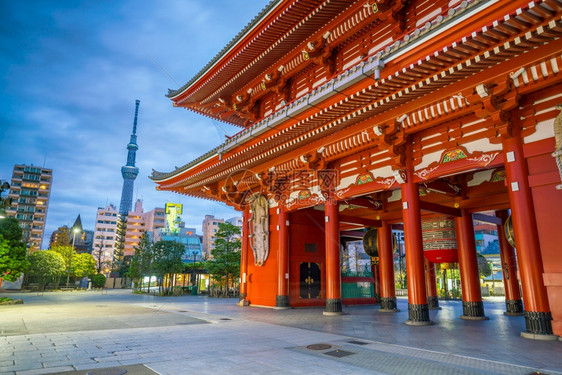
(98,281)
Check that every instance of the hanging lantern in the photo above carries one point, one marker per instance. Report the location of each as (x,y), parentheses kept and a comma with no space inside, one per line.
(439,240)
(509,234)
(370,244)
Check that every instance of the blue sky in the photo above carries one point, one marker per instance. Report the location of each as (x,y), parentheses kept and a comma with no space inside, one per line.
(71,72)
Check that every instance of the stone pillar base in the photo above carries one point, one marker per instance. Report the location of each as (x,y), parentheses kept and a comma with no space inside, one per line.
(388,304)
(433,303)
(281,302)
(514,307)
(473,311)
(538,323)
(532,336)
(418,315)
(333,306)
(242,300)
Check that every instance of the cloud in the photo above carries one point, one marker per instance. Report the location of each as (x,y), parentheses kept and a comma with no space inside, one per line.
(71,71)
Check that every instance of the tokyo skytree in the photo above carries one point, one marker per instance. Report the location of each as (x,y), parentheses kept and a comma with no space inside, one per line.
(129,171)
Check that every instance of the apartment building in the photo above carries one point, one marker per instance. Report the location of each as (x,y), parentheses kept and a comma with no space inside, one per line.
(30,191)
(209,228)
(139,222)
(104,236)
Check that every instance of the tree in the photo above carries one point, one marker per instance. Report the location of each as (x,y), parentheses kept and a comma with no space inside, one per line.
(67,253)
(46,266)
(13,252)
(98,281)
(483,266)
(83,264)
(63,237)
(98,255)
(225,265)
(166,260)
(141,260)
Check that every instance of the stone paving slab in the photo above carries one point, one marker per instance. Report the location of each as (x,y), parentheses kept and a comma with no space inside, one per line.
(258,341)
(496,339)
(394,359)
(133,370)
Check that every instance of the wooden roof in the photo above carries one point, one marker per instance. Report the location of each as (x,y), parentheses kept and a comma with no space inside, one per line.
(426,60)
(278,29)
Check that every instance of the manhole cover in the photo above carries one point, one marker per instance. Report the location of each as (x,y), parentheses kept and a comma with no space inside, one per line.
(183,311)
(319,346)
(339,353)
(358,342)
(225,319)
(108,371)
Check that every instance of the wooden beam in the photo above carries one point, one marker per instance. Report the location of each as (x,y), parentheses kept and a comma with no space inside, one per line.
(397,226)
(440,186)
(351,233)
(345,219)
(440,209)
(487,219)
(365,202)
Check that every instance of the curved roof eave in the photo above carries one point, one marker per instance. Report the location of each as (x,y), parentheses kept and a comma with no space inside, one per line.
(249,27)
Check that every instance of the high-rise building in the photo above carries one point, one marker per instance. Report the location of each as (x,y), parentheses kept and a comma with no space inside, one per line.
(129,172)
(236,221)
(176,231)
(30,190)
(210,227)
(189,238)
(104,236)
(139,222)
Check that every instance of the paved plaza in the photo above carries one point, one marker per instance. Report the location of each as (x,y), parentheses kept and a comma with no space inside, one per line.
(94,333)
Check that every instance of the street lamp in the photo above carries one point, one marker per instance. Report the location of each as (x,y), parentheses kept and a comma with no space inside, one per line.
(74,231)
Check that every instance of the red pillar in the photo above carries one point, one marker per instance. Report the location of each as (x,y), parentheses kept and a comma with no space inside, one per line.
(431,285)
(282,298)
(513,302)
(333,273)
(472,306)
(244,258)
(537,311)
(418,311)
(386,269)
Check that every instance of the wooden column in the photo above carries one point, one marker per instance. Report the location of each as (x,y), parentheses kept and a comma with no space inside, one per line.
(513,302)
(537,311)
(418,311)
(431,285)
(282,298)
(244,257)
(386,268)
(332,244)
(472,306)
